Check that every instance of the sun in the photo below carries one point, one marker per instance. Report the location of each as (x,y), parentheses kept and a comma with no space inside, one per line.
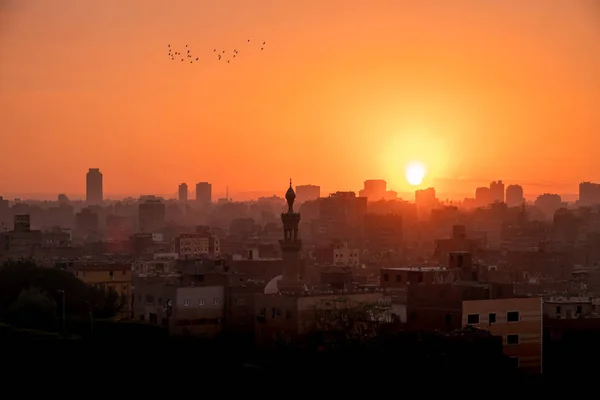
(415,172)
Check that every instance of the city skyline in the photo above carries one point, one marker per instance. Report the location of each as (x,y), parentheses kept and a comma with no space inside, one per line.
(357,96)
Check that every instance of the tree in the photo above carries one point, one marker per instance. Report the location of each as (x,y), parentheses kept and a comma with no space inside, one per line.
(33,309)
(106,303)
(339,321)
(22,275)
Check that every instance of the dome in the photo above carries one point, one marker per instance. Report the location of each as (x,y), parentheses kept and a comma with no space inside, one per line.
(290,194)
(273,285)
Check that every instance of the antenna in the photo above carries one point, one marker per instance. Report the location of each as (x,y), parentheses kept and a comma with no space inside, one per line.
(227,192)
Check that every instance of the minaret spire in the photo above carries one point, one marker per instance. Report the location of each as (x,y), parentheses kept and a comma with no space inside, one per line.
(291,243)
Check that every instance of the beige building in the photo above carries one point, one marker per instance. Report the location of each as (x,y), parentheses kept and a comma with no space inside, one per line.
(181,304)
(518,321)
(346,256)
(196,245)
(109,276)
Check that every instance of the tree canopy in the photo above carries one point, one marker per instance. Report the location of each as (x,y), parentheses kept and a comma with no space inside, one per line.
(24,283)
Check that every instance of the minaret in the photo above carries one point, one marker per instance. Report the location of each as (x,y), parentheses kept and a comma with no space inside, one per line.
(290,245)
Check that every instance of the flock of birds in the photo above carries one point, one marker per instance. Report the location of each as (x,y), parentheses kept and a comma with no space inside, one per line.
(219,54)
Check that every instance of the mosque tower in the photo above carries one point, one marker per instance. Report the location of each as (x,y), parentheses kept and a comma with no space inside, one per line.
(290,245)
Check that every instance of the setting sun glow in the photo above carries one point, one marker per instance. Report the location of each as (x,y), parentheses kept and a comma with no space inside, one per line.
(415,172)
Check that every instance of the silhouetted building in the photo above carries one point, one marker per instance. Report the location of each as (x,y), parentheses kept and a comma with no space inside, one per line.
(426,201)
(514,195)
(151,215)
(483,196)
(374,189)
(203,192)
(497,192)
(93,187)
(307,192)
(86,221)
(183,193)
(589,194)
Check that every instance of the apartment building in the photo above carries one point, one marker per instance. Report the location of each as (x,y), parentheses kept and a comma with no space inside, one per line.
(519,321)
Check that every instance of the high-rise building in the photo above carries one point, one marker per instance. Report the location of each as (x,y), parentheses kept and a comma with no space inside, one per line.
(307,192)
(589,194)
(151,215)
(93,187)
(374,189)
(203,192)
(183,193)
(497,192)
(514,195)
(483,196)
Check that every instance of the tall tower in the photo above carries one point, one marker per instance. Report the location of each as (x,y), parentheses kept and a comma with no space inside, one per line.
(183,193)
(290,245)
(93,187)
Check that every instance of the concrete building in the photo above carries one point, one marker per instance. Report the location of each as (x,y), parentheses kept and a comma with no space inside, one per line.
(182,194)
(514,195)
(374,189)
(307,192)
(203,192)
(497,192)
(346,256)
(94,187)
(151,214)
(518,321)
(22,242)
(108,276)
(183,304)
(201,243)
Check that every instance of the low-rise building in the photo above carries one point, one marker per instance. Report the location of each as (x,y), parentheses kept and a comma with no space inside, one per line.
(108,276)
(183,304)
(519,321)
(567,307)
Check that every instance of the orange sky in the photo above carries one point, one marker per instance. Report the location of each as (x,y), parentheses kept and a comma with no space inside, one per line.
(344,91)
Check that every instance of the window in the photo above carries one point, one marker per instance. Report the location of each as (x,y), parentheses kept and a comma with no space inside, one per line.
(512,316)
(448,319)
(512,339)
(386,277)
(200,302)
(473,319)
(492,318)
(558,310)
(186,302)
(579,310)
(420,279)
(215,301)
(398,278)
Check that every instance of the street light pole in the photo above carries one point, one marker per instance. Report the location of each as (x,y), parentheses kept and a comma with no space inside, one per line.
(62,292)
(91,318)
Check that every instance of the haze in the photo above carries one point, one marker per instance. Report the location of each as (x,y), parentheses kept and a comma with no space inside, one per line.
(346,91)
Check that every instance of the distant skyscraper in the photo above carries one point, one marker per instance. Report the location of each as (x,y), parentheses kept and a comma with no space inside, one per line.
(483,196)
(93,186)
(307,192)
(497,192)
(514,195)
(203,192)
(589,194)
(374,189)
(183,193)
